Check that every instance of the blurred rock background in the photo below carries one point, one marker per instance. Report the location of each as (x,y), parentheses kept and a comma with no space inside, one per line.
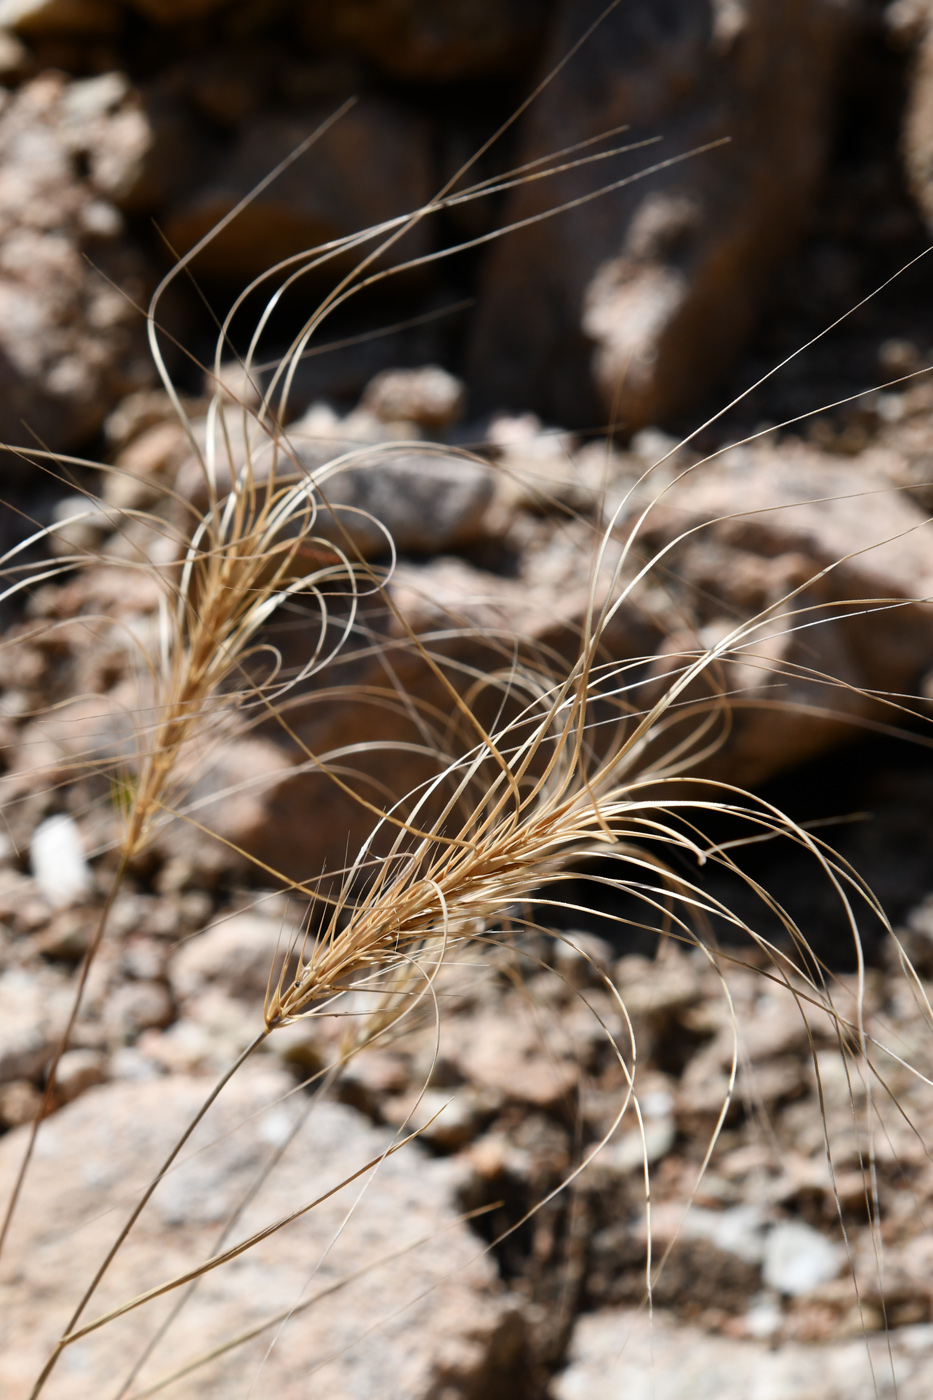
(129,129)
(570,355)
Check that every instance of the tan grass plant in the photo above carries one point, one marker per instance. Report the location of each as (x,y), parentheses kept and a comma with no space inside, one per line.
(534,768)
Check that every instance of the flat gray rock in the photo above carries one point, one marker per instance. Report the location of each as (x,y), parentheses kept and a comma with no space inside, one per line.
(625,1355)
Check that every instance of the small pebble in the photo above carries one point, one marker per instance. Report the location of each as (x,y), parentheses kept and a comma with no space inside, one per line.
(797,1259)
(58,862)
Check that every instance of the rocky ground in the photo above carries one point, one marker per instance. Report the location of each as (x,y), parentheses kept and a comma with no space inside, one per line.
(476,1261)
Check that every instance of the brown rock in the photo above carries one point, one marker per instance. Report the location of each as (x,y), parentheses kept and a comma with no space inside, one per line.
(447,1118)
(258,799)
(429,396)
(147,408)
(141,147)
(81,526)
(15,58)
(134,1007)
(421,41)
(315,199)
(38,19)
(427,500)
(77,1071)
(147,467)
(240,795)
(33,1011)
(204,1043)
(20,1101)
(68,935)
(71,342)
(657,989)
(508,1055)
(904,22)
(629,305)
(832,541)
(176,12)
(918,122)
(538,469)
(227,86)
(428,1321)
(95,728)
(238,955)
(371,1077)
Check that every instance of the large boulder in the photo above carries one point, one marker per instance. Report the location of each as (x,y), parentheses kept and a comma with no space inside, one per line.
(379,1290)
(422,41)
(831,565)
(372,165)
(630,304)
